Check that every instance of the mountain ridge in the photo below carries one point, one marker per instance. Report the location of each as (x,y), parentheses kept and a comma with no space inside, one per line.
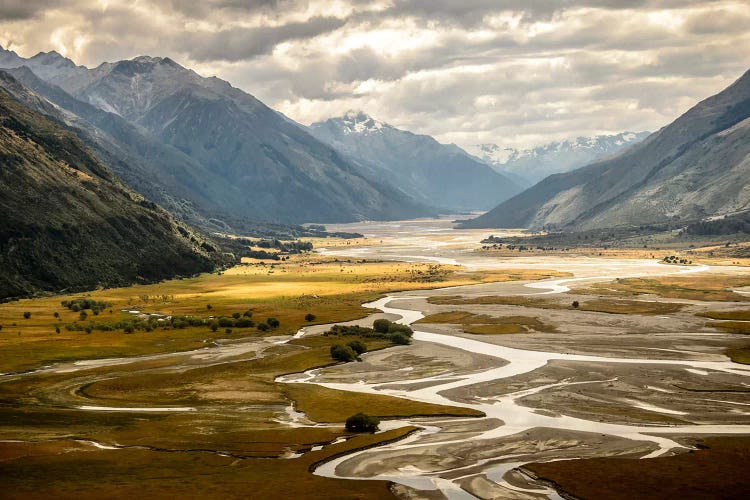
(247,160)
(433,173)
(697,166)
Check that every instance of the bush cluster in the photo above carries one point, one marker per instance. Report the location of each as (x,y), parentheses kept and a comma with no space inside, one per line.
(81,304)
(382,329)
(362,423)
(348,352)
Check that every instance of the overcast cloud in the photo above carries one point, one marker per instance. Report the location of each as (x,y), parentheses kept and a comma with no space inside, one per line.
(516,73)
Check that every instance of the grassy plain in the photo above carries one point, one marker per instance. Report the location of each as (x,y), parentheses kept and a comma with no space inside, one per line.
(609,306)
(332,289)
(232,442)
(69,469)
(483,324)
(713,287)
(718,471)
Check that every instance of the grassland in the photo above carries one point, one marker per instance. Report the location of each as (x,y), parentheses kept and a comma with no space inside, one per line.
(233,442)
(331,289)
(326,405)
(714,287)
(483,324)
(609,306)
(739,355)
(742,327)
(69,469)
(719,471)
(736,315)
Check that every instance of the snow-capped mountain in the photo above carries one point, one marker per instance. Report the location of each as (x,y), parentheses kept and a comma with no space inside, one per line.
(202,140)
(436,174)
(555,157)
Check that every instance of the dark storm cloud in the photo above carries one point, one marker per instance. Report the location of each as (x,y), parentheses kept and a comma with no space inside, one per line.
(26,9)
(237,44)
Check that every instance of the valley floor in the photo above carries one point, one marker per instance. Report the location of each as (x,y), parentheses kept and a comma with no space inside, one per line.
(515,360)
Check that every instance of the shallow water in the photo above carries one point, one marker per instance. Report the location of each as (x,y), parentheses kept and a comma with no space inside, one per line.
(515,417)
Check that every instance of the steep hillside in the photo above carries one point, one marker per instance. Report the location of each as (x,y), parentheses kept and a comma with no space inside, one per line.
(556,157)
(66,222)
(239,158)
(697,167)
(437,174)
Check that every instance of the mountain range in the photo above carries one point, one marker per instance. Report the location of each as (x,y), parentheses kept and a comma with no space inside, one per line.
(68,223)
(435,174)
(202,147)
(696,167)
(555,157)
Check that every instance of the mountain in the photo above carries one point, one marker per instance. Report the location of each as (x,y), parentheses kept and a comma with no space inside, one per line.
(67,221)
(435,174)
(696,167)
(213,146)
(556,157)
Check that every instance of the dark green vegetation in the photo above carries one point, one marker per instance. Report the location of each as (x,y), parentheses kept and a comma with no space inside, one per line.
(68,223)
(382,329)
(362,423)
(727,225)
(717,470)
(245,161)
(348,352)
(696,166)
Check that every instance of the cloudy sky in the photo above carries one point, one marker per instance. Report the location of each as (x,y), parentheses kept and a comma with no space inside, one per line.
(516,72)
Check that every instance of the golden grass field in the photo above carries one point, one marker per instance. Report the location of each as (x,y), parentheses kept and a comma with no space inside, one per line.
(482,324)
(238,401)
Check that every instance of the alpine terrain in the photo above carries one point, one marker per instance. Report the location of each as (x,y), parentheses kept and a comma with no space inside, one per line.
(70,224)
(201,145)
(696,167)
(555,157)
(436,174)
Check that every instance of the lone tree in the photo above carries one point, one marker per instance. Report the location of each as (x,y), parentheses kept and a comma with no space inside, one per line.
(310,317)
(273,322)
(342,352)
(362,423)
(575,304)
(262,327)
(27,315)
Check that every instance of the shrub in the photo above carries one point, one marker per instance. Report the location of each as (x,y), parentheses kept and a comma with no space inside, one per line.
(226,322)
(358,346)
(128,329)
(262,327)
(56,314)
(83,315)
(342,352)
(403,329)
(273,322)
(310,317)
(362,423)
(575,304)
(57,329)
(27,315)
(381,325)
(209,306)
(236,315)
(214,326)
(400,339)
(244,322)
(248,314)
(228,331)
